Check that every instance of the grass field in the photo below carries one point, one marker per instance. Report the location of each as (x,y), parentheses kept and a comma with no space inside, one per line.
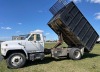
(89,63)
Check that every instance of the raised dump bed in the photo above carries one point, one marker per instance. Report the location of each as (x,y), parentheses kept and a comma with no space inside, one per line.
(75,29)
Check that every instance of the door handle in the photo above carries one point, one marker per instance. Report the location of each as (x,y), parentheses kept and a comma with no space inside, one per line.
(35,41)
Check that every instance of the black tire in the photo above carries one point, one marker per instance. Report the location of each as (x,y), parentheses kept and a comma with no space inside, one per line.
(15,58)
(75,54)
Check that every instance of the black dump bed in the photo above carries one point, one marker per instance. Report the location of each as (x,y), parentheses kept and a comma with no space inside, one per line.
(75,28)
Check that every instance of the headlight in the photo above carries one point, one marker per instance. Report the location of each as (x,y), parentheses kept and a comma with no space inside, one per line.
(3,49)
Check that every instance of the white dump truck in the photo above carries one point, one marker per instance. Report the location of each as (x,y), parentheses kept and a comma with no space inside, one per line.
(71,27)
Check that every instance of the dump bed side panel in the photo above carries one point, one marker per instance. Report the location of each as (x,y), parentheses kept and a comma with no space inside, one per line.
(74,26)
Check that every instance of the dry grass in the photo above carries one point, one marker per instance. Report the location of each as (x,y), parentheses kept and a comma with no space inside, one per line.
(89,63)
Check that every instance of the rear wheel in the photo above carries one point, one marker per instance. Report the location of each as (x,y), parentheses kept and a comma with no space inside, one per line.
(75,54)
(16,60)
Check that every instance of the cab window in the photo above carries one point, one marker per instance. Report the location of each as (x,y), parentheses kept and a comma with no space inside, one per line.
(31,38)
(38,37)
(35,37)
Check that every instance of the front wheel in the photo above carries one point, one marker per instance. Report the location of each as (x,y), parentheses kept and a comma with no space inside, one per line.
(16,60)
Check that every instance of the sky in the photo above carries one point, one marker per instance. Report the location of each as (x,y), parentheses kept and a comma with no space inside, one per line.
(18,17)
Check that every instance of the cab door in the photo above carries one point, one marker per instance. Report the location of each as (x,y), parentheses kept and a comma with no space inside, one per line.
(35,44)
(39,42)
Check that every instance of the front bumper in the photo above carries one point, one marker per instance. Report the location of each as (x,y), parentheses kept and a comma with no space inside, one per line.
(1,57)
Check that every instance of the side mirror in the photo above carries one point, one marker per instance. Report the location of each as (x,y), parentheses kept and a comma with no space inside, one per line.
(19,43)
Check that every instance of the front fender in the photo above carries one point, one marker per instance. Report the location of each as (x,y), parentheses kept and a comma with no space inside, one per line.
(5,50)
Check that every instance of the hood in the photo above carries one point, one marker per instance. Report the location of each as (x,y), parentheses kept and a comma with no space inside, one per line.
(13,42)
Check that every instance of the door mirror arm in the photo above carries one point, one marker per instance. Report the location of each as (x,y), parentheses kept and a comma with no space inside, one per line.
(35,41)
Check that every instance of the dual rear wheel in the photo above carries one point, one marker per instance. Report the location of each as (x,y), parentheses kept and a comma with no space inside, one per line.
(75,54)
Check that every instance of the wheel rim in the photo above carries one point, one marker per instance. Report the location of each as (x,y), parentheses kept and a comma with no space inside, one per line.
(77,54)
(16,60)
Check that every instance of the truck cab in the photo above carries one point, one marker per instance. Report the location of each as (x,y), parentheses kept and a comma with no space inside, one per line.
(16,52)
(34,43)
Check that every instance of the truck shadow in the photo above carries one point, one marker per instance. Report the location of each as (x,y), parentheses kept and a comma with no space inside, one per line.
(46,60)
(50,59)
(90,55)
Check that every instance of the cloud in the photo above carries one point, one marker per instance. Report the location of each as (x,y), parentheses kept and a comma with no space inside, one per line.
(94,1)
(47,33)
(76,1)
(6,28)
(20,23)
(38,30)
(97,16)
(19,33)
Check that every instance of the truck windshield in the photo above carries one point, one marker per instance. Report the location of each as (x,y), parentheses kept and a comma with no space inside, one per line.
(27,36)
